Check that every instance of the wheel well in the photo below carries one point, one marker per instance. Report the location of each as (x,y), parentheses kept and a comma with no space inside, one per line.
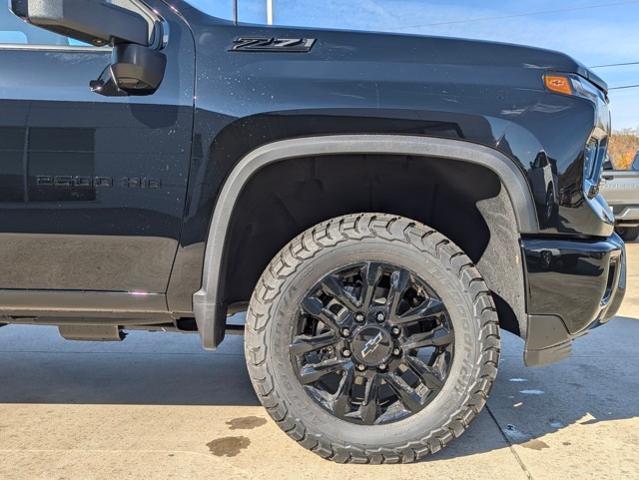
(464,201)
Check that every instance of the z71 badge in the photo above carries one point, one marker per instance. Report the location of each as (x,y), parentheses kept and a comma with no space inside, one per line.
(289,45)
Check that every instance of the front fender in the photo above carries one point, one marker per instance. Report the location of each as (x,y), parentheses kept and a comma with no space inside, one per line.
(207,306)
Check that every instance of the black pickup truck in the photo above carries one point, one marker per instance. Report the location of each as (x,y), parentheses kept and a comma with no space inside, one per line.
(380,205)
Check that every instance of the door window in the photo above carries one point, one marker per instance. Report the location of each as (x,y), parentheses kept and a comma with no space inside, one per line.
(12,36)
(14,31)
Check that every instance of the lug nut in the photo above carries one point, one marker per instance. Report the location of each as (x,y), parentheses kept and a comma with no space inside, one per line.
(346,332)
(382,366)
(346,352)
(361,367)
(380,317)
(396,331)
(359,317)
(396,351)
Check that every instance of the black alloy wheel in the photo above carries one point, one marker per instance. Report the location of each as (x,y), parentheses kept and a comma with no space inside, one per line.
(374,343)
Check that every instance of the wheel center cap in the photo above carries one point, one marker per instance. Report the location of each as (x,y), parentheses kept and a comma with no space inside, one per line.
(372,345)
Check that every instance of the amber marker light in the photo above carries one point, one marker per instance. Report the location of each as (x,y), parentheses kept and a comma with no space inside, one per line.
(558,84)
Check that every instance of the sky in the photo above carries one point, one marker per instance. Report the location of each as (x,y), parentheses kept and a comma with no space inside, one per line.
(595,32)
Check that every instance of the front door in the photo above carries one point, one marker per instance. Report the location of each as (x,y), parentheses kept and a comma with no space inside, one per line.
(92,188)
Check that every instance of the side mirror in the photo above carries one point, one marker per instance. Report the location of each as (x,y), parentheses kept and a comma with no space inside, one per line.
(136,68)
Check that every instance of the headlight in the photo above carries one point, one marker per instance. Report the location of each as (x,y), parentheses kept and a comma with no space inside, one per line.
(590,159)
(595,150)
(583,88)
(595,155)
(573,85)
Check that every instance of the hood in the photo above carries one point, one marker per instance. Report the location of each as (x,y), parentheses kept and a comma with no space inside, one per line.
(594,78)
(452,51)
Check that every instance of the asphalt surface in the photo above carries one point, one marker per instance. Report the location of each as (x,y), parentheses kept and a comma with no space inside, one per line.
(157,407)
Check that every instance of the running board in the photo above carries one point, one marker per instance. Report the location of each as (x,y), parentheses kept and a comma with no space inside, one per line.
(115,333)
(92,333)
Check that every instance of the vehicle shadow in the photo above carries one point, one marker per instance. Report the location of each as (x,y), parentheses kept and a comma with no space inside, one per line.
(145,369)
(599,383)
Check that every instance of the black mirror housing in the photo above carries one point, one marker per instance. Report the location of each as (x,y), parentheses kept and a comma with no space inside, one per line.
(92,21)
(137,69)
(134,70)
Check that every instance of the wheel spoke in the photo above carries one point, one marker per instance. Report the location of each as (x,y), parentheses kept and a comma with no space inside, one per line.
(429,308)
(371,274)
(369,409)
(426,374)
(314,371)
(313,307)
(341,403)
(306,343)
(406,394)
(398,283)
(440,336)
(333,286)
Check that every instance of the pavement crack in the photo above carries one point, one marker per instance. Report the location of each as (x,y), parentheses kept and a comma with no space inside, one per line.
(510,444)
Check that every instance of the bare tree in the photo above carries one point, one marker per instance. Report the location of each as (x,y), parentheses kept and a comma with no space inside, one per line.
(624,145)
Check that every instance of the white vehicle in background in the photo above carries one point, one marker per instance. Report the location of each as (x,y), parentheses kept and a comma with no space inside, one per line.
(621,191)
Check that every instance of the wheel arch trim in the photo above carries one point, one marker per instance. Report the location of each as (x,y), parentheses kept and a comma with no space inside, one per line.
(206,305)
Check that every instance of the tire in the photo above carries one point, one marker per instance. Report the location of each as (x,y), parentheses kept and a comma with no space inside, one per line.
(327,247)
(628,234)
(551,206)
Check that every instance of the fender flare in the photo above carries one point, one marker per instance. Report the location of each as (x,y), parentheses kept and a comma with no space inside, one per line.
(207,307)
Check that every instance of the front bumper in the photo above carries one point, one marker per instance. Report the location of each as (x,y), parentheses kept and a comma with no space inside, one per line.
(572,286)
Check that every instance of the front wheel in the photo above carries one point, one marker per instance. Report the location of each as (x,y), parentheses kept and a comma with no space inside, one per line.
(372,338)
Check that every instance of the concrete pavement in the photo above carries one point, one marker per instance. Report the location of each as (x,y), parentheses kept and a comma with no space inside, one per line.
(157,407)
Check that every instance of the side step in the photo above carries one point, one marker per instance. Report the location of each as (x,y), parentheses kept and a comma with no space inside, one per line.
(93,333)
(114,333)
